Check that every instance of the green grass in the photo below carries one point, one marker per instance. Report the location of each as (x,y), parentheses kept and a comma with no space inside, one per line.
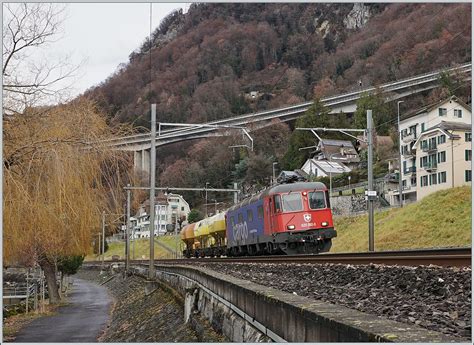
(442,219)
(142,249)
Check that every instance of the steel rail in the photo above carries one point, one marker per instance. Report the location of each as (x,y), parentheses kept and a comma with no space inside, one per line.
(446,257)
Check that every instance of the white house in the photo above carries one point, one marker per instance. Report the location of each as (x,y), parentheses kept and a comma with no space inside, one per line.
(450,110)
(321,168)
(169,210)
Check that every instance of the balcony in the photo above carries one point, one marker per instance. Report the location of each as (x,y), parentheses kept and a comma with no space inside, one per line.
(407,153)
(431,166)
(410,170)
(409,137)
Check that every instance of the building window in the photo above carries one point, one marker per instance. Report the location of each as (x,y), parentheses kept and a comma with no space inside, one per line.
(433,179)
(458,113)
(182,208)
(468,155)
(423,127)
(468,137)
(442,139)
(468,175)
(443,111)
(404,183)
(442,157)
(424,180)
(442,177)
(424,144)
(423,161)
(404,166)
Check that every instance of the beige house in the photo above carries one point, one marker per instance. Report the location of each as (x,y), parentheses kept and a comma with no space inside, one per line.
(444,155)
(417,124)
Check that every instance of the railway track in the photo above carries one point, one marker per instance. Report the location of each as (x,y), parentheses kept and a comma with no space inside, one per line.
(454,257)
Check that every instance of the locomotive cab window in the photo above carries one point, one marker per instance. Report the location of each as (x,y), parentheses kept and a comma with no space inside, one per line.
(316,200)
(241,218)
(292,202)
(277,203)
(232,220)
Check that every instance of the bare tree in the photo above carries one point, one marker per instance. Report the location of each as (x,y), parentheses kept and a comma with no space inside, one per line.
(29,78)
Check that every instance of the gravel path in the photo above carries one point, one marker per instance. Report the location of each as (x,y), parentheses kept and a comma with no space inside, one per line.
(435,298)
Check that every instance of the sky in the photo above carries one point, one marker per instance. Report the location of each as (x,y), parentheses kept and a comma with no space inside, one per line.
(102,35)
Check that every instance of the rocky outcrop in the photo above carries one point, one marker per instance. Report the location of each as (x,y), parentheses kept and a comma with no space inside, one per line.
(357,17)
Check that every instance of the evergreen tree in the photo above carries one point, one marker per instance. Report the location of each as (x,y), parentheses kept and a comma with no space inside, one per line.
(194,216)
(380,112)
(316,116)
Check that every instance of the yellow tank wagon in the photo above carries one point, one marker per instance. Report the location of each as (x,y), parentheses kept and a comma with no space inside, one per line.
(202,237)
(187,236)
(218,232)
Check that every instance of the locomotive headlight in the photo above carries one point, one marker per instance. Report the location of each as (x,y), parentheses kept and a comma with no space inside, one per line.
(324,223)
(290,227)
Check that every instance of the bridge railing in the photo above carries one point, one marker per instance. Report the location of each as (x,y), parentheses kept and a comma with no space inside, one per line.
(293,109)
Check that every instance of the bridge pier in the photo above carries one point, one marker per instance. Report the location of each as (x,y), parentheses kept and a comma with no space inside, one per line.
(141,160)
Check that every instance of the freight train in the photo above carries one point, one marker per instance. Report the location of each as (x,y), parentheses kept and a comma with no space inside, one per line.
(293,218)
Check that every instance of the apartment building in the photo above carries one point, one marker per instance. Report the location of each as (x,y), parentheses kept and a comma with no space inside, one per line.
(451,111)
(444,155)
(169,209)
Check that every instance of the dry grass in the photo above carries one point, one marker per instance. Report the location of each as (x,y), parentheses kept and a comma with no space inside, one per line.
(442,219)
(142,249)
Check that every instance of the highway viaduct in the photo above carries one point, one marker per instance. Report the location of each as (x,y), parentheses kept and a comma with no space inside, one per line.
(140,144)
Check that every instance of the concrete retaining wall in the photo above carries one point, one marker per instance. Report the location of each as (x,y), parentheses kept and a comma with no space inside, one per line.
(280,315)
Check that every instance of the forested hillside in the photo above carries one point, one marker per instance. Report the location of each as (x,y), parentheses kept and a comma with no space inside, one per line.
(205,64)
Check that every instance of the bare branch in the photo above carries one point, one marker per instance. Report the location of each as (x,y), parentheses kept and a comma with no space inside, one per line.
(27,27)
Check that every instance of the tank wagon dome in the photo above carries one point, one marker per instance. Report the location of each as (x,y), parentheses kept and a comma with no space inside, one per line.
(281,188)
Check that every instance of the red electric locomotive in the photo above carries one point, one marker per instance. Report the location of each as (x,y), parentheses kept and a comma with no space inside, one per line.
(293,218)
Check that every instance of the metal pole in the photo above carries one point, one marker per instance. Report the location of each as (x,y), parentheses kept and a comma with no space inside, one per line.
(42,292)
(370,180)
(205,205)
(133,245)
(330,183)
(400,184)
(176,236)
(127,232)
(236,195)
(151,270)
(35,303)
(103,238)
(273,172)
(27,291)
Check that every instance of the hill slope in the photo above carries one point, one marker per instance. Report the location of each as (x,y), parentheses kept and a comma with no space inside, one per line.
(205,61)
(442,219)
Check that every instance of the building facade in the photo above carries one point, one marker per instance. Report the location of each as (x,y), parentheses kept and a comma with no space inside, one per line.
(444,155)
(419,123)
(169,210)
